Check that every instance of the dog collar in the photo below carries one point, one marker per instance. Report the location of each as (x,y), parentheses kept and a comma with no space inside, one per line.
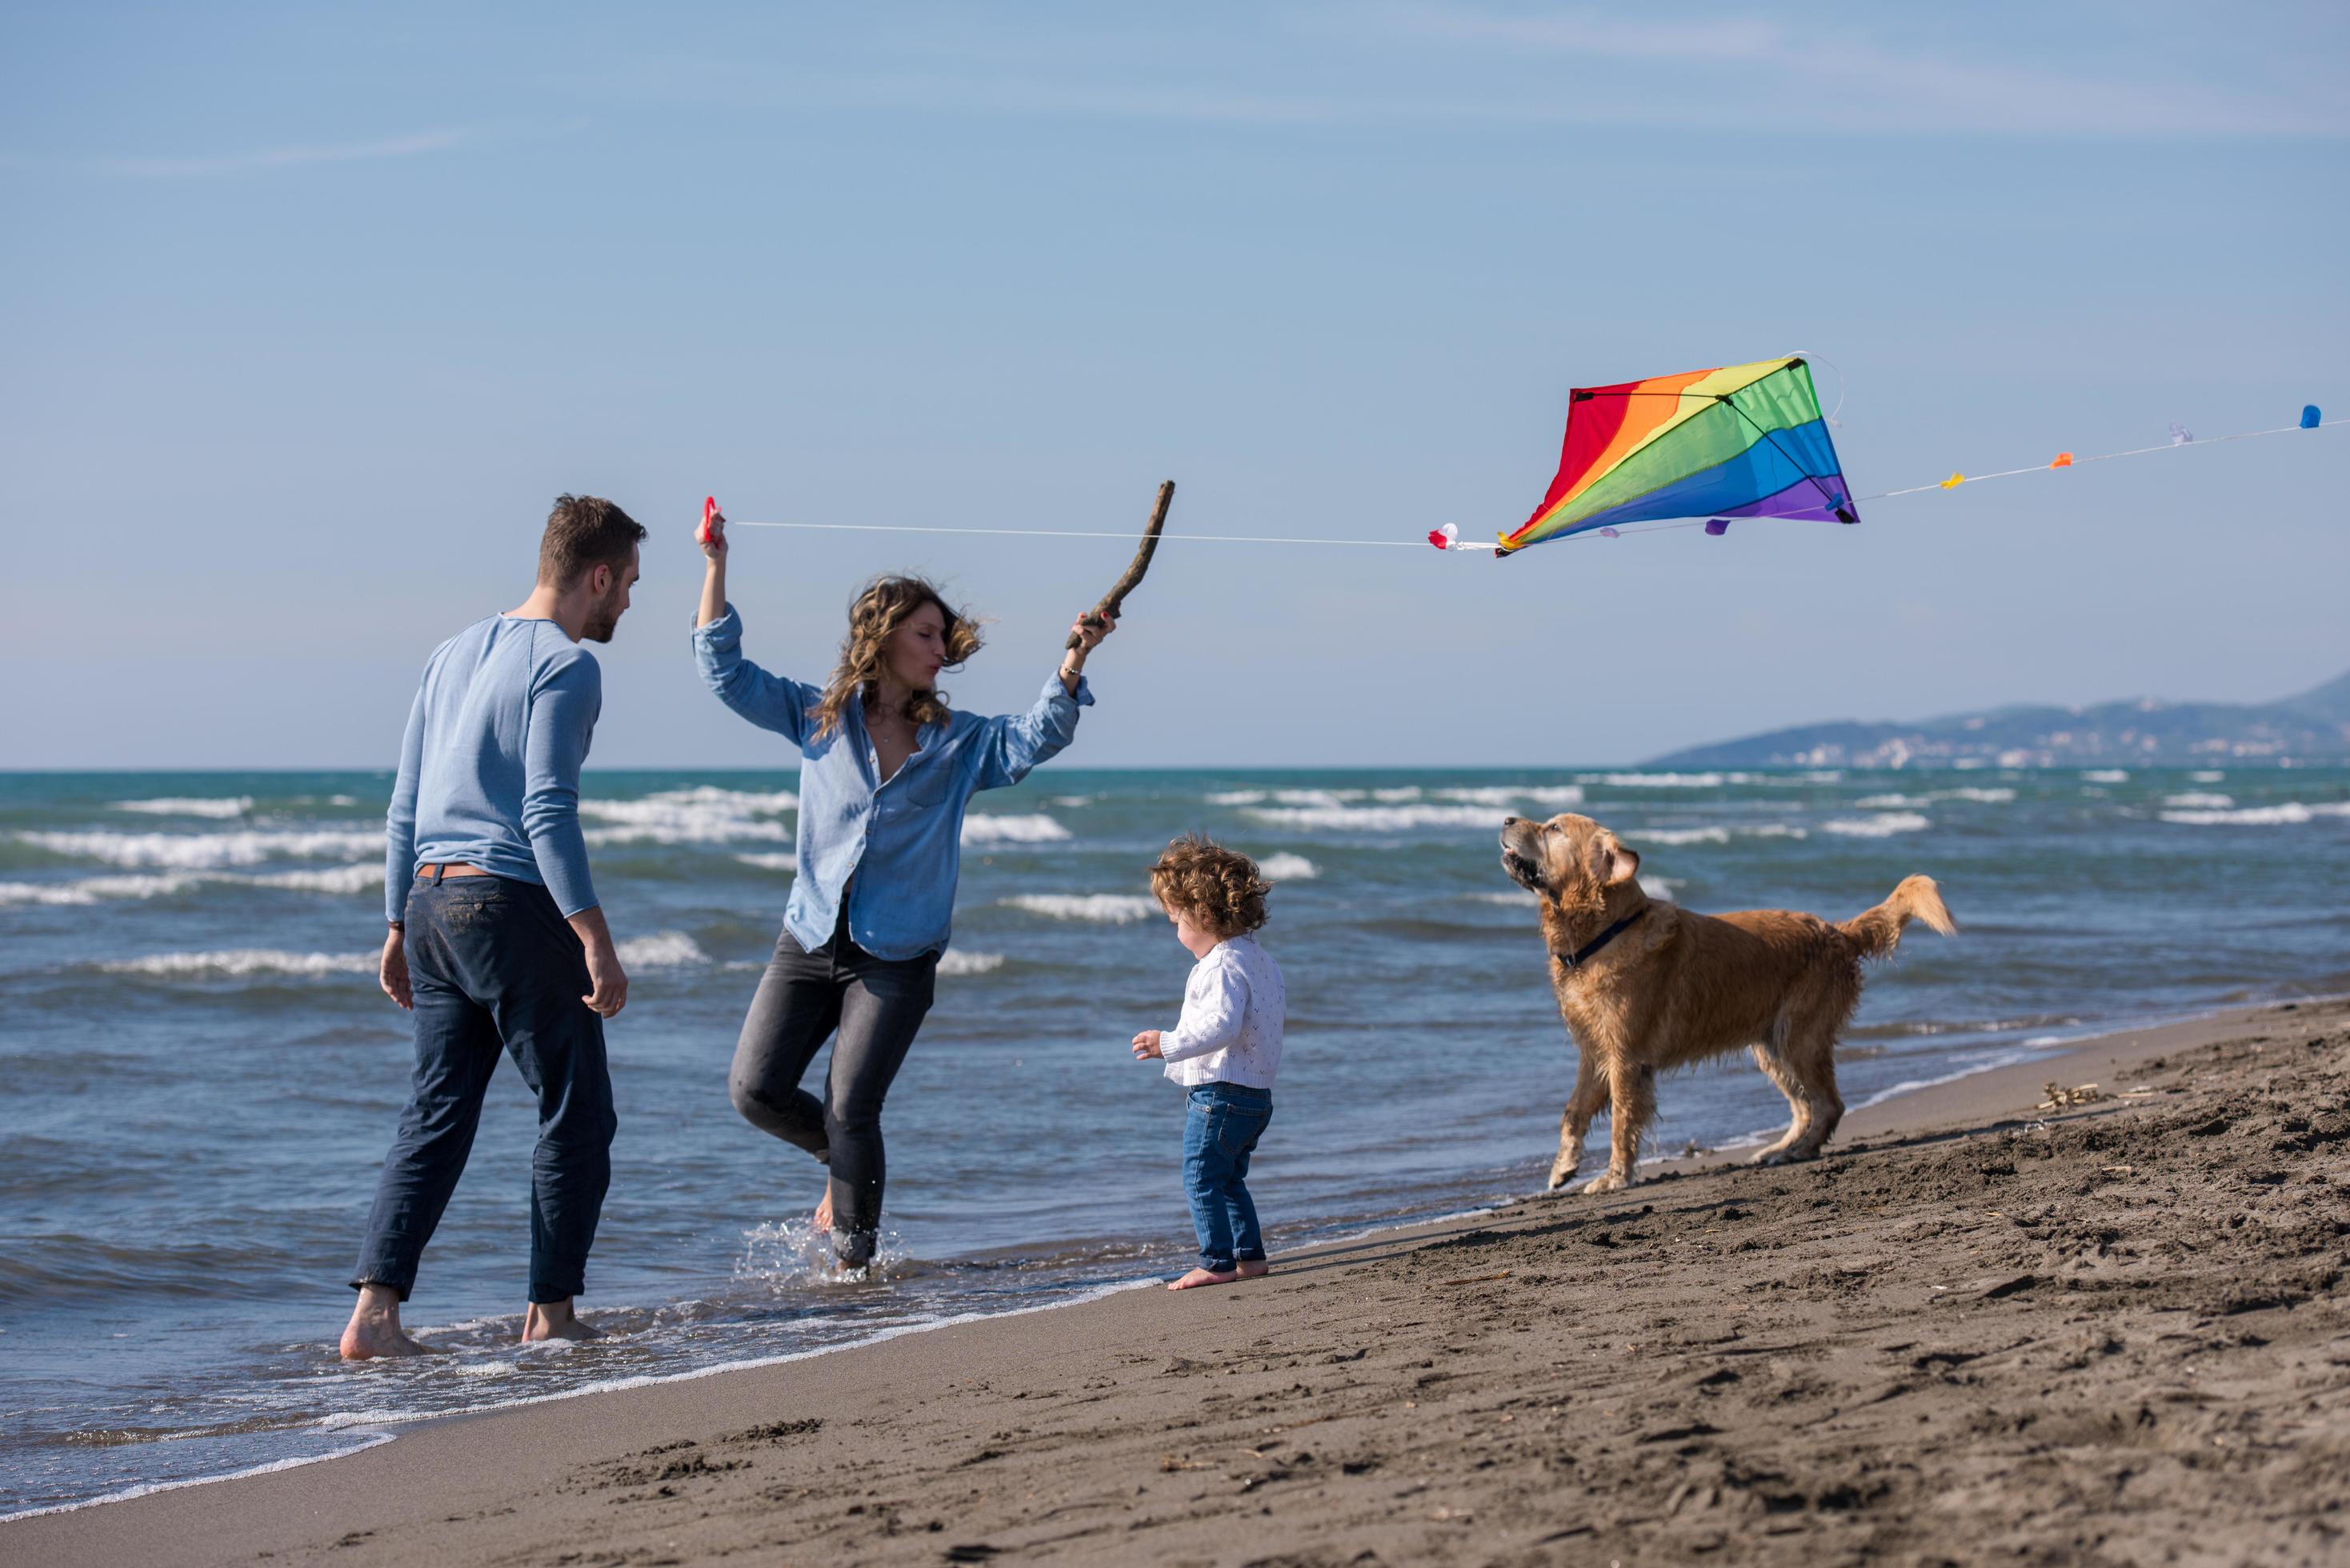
(1582,954)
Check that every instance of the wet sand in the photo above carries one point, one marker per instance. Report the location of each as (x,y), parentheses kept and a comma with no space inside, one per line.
(1979,1330)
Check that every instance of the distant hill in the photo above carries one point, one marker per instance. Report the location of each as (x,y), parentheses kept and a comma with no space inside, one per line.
(2143,732)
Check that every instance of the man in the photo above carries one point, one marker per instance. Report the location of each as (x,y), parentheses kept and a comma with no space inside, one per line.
(496,937)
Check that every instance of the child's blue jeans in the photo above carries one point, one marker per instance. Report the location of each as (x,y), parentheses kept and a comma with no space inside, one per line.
(1220,1130)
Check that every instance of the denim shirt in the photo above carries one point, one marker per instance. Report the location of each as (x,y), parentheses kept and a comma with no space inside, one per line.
(900,840)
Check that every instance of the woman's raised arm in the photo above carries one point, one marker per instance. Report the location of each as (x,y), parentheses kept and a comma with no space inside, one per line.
(713,578)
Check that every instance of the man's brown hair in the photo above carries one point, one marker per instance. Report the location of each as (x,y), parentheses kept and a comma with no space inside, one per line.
(585,531)
(1218,889)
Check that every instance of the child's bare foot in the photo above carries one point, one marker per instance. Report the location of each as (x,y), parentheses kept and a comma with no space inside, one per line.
(824,1211)
(1198,1277)
(1254,1268)
(553,1320)
(374,1329)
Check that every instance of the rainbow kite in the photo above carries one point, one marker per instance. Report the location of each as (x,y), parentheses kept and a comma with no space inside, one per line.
(1744,441)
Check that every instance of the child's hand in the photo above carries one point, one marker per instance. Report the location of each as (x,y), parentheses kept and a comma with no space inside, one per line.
(1146,1044)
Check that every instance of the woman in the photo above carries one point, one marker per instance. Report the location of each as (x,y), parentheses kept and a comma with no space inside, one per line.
(886,771)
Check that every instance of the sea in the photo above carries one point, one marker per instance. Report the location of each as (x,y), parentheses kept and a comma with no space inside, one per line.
(200,1074)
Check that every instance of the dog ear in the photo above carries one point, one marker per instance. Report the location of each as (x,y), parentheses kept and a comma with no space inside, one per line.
(1612,863)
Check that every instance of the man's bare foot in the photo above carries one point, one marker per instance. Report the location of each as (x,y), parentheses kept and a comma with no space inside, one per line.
(1198,1277)
(553,1320)
(374,1329)
(824,1211)
(1254,1268)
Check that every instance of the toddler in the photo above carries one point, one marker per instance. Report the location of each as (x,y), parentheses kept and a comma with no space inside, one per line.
(1224,1049)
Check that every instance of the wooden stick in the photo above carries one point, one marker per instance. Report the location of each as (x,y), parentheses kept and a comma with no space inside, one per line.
(1114,601)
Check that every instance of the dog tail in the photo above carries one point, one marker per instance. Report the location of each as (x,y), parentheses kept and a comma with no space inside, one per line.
(1877,931)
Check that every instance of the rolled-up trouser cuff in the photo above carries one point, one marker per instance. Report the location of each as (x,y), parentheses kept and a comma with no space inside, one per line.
(1216,1265)
(366,1277)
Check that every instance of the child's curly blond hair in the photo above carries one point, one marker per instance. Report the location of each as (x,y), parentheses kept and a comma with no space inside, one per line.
(1220,891)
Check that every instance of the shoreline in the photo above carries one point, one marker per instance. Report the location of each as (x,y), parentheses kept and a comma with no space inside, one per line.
(379,1430)
(444,1460)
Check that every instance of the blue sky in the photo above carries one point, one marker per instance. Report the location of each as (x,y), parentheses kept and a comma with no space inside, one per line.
(305,314)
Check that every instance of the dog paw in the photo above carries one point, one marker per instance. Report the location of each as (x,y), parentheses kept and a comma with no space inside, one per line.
(1771,1157)
(1611,1182)
(1560,1175)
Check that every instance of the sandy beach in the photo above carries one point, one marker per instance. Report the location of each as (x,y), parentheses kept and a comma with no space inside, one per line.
(1980,1329)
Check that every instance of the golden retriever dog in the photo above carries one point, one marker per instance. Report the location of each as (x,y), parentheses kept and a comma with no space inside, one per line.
(1646,986)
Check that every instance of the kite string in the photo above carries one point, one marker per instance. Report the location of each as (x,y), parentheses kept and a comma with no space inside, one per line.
(1416,544)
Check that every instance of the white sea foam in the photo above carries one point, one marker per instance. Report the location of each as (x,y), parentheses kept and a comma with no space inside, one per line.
(98,889)
(1776,830)
(783,860)
(1096,909)
(1896,802)
(1884,824)
(705,813)
(1670,781)
(1235,798)
(1287,868)
(1401,792)
(2288,813)
(1680,836)
(955,960)
(1513,794)
(1660,886)
(205,851)
(1379,819)
(2209,775)
(662,950)
(1074,801)
(240,962)
(1011,830)
(219,806)
(1511,896)
(355,879)
(2201,800)
(2106,775)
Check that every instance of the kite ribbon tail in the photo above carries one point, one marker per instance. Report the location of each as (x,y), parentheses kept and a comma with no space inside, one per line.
(1114,601)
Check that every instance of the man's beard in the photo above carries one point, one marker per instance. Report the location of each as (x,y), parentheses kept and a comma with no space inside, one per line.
(602,622)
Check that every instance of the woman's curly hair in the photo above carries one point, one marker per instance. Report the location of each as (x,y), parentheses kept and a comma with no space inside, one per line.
(1218,889)
(885,605)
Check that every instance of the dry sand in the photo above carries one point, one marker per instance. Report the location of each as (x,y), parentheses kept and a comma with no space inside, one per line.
(1976,1332)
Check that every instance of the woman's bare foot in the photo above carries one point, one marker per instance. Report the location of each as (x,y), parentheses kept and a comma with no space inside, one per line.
(553,1320)
(1254,1268)
(1198,1277)
(374,1329)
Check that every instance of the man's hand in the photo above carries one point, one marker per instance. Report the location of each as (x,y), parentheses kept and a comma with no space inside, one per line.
(1146,1044)
(391,973)
(610,983)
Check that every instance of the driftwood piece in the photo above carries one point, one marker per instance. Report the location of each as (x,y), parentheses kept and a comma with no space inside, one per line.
(1114,601)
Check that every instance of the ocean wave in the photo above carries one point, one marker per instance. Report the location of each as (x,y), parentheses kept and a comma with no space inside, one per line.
(955,960)
(1511,795)
(242,962)
(221,806)
(1513,897)
(1670,781)
(1680,836)
(1378,819)
(2289,813)
(1288,868)
(1661,887)
(662,950)
(355,879)
(1896,802)
(1884,824)
(2209,775)
(1011,830)
(98,889)
(1099,908)
(702,815)
(1234,797)
(2199,800)
(783,860)
(2106,775)
(90,890)
(205,851)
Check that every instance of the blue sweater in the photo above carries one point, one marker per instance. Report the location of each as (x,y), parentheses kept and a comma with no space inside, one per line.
(892,848)
(489,769)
